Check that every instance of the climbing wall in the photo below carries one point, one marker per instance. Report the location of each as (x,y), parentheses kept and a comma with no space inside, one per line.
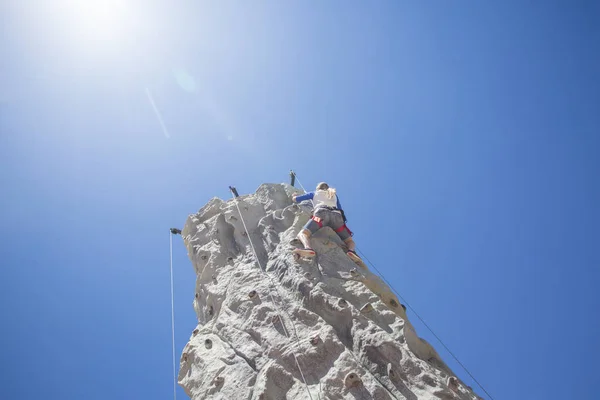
(272,327)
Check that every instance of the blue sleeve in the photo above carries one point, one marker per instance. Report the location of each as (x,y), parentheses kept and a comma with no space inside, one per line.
(339,205)
(307,196)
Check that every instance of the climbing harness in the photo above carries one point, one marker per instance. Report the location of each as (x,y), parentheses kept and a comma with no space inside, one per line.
(341,229)
(272,299)
(412,309)
(335,209)
(174,231)
(331,208)
(318,220)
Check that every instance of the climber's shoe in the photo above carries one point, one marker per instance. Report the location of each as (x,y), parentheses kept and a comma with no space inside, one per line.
(305,252)
(352,254)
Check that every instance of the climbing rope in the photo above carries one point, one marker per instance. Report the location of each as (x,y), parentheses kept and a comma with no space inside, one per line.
(171,233)
(424,323)
(213,329)
(363,255)
(235,199)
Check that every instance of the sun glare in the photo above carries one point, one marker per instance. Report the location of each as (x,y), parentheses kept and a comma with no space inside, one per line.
(99,20)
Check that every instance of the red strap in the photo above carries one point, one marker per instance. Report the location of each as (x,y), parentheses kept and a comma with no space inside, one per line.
(341,229)
(318,220)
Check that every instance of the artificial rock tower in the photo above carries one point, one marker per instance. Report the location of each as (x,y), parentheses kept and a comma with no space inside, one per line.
(271,327)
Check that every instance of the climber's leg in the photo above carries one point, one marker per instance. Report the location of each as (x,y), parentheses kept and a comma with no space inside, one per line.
(304,237)
(339,226)
(313,225)
(306,251)
(350,244)
(351,250)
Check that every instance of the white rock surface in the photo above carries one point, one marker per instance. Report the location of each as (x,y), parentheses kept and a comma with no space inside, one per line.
(275,328)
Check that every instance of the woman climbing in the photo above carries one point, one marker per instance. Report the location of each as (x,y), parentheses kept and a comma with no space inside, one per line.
(327,211)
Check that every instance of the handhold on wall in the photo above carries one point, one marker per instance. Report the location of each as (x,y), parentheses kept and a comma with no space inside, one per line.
(275,319)
(390,371)
(197,296)
(184,357)
(366,308)
(403,306)
(211,311)
(219,380)
(393,303)
(244,233)
(204,257)
(232,218)
(307,275)
(429,380)
(214,278)
(195,331)
(208,343)
(252,294)
(352,380)
(452,383)
(353,272)
(342,303)
(315,340)
(229,259)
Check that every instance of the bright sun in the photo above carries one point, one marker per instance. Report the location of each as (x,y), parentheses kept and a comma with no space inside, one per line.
(99,20)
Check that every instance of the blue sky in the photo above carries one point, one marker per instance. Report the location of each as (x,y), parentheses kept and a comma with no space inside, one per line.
(462,136)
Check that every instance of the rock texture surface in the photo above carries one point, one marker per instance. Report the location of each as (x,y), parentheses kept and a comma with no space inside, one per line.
(272,327)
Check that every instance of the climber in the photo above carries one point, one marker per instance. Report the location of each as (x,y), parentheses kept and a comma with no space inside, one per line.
(327,211)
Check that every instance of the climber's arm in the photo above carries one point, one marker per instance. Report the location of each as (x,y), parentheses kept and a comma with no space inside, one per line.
(307,196)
